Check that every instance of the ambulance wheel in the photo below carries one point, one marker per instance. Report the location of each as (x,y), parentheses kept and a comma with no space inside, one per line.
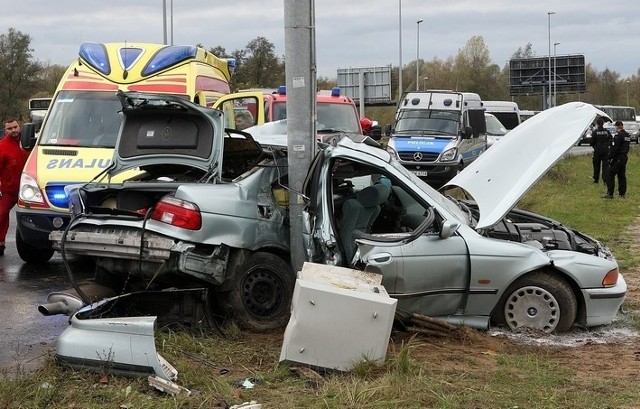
(31,254)
(260,298)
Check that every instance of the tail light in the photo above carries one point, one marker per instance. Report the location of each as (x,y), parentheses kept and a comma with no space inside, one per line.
(611,278)
(177,212)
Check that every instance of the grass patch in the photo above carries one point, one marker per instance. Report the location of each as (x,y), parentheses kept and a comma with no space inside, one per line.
(467,370)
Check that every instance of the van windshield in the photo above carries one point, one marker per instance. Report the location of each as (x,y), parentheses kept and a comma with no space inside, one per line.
(509,119)
(420,122)
(83,119)
(331,116)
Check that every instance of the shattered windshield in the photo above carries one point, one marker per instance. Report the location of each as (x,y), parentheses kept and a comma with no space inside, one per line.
(428,122)
(81,118)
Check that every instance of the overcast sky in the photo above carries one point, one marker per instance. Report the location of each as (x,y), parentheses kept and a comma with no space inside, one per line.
(350,33)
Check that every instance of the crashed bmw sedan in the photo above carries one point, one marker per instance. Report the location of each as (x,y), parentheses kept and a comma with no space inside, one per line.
(476,262)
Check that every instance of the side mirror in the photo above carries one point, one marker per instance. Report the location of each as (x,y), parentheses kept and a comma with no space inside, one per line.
(448,228)
(467,132)
(388,130)
(28,136)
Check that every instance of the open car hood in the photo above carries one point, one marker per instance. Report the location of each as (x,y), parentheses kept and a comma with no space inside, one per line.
(165,129)
(499,178)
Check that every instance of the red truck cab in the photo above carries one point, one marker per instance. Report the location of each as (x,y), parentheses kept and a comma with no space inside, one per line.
(335,112)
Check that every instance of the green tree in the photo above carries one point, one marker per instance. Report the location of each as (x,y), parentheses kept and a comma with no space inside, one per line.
(260,67)
(474,70)
(18,73)
(326,83)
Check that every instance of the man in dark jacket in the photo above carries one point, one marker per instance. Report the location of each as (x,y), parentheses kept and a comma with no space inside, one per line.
(618,162)
(600,141)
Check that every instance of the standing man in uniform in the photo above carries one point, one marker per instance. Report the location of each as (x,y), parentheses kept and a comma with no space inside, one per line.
(618,162)
(12,159)
(600,141)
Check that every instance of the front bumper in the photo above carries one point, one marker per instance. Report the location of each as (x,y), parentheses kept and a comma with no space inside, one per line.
(433,173)
(603,304)
(35,225)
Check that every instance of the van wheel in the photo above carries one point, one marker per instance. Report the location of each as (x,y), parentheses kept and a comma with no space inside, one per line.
(31,254)
(260,297)
(539,301)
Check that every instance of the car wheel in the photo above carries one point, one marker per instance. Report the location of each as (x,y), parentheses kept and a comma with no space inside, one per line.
(540,301)
(32,254)
(260,299)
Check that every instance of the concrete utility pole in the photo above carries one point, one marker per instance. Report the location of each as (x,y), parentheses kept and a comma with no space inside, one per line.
(300,72)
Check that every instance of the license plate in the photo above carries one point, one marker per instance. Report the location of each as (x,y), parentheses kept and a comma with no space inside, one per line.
(421,173)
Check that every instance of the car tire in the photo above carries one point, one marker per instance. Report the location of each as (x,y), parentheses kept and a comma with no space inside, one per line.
(31,254)
(260,298)
(539,301)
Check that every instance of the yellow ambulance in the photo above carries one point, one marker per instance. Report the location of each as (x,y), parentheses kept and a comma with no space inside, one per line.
(79,132)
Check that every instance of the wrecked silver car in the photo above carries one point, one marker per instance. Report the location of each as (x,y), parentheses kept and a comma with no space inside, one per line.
(199,209)
(193,216)
(466,262)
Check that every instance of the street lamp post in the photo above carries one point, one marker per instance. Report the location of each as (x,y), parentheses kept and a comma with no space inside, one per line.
(555,75)
(418,55)
(627,81)
(424,83)
(400,49)
(549,13)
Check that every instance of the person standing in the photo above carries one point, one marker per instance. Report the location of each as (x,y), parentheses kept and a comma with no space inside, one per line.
(12,159)
(600,141)
(618,162)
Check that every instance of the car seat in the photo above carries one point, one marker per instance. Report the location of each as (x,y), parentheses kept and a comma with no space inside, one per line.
(359,213)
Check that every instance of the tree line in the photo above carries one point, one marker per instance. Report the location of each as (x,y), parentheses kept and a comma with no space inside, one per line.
(257,66)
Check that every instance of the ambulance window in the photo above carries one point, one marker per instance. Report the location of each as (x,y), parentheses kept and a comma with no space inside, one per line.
(81,118)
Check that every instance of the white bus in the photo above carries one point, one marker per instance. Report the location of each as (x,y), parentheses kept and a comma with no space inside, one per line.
(625,114)
(507,112)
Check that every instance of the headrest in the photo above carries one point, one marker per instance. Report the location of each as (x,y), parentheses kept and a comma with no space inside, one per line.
(373,195)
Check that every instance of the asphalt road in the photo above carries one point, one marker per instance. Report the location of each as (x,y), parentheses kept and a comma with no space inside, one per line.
(27,335)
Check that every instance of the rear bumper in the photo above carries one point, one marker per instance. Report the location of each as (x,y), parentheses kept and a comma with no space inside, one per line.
(120,251)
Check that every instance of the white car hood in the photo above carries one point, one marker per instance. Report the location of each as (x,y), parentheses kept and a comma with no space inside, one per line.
(499,178)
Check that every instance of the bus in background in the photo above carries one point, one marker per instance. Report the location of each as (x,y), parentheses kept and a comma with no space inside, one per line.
(37,110)
(625,114)
(80,129)
(526,114)
(507,112)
